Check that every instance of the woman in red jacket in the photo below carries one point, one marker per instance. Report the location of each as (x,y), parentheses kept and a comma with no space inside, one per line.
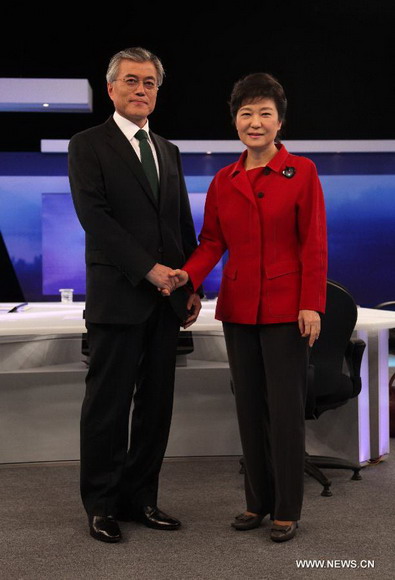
(267,210)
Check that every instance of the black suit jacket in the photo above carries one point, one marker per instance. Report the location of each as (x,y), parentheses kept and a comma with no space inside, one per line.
(127,231)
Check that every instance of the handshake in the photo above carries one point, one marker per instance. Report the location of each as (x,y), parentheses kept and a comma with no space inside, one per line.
(166,279)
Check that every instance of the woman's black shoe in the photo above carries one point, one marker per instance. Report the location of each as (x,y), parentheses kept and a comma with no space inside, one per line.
(283,533)
(247,522)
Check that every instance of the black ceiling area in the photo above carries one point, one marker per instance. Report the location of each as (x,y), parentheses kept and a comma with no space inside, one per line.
(335,59)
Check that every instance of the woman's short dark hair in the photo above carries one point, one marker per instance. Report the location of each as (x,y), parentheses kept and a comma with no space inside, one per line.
(255,87)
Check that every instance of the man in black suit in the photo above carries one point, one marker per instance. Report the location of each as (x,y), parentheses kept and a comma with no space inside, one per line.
(134,208)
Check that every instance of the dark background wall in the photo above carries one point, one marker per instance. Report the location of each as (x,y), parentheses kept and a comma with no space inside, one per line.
(335,59)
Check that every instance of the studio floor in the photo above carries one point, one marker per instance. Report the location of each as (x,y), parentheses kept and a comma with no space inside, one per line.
(44,532)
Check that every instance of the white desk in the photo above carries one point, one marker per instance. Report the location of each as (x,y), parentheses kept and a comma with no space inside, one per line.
(373,402)
(42,384)
(47,335)
(38,318)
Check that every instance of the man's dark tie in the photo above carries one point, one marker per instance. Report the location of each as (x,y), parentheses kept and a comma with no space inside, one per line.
(148,162)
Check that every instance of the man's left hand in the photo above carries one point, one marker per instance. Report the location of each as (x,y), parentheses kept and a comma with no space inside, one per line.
(193,306)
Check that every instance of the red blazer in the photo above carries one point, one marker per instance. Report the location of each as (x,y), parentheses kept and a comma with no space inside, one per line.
(277,250)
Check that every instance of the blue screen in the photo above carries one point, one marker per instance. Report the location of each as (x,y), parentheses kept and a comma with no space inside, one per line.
(63,261)
(46,242)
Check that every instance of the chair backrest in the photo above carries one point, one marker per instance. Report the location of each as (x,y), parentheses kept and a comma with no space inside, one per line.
(390,305)
(330,384)
(337,326)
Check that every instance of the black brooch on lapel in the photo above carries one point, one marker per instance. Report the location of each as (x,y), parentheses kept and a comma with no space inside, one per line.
(289,172)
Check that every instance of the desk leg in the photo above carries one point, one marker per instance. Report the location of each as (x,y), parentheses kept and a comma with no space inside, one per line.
(364,404)
(379,393)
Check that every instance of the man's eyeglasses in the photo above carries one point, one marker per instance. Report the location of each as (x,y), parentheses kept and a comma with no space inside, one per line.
(133,83)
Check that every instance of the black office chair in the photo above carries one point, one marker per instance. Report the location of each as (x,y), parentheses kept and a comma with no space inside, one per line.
(10,288)
(334,373)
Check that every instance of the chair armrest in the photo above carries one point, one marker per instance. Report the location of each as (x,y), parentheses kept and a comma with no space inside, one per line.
(353,355)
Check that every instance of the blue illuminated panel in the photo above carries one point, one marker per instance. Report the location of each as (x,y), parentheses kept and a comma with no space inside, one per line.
(46,242)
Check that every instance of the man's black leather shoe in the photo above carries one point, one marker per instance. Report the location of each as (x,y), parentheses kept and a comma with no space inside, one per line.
(152,517)
(104,528)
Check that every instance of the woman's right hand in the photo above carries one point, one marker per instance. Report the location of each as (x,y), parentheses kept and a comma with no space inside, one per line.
(180,278)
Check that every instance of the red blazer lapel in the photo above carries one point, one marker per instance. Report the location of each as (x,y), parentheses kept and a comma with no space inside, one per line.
(243,185)
(240,180)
